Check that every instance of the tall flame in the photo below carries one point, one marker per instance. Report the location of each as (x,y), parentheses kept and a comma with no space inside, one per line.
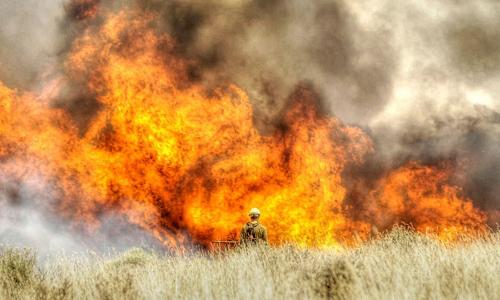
(187,164)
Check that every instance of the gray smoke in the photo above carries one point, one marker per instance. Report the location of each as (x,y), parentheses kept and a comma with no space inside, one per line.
(29,37)
(24,217)
(28,219)
(444,103)
(267,47)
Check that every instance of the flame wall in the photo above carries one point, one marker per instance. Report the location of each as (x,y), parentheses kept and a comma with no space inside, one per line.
(186,162)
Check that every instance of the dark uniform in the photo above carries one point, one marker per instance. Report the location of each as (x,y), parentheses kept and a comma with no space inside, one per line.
(253,233)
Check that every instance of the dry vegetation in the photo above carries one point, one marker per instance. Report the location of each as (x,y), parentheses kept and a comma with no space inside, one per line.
(400,265)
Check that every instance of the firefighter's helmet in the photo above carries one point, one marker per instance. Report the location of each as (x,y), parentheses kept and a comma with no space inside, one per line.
(254,212)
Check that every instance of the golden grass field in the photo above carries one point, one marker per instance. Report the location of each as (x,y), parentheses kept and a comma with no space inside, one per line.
(399,265)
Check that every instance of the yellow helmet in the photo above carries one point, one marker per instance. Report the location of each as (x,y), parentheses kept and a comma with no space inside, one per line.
(254,212)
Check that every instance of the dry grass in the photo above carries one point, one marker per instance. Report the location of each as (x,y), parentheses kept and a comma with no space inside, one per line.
(401,265)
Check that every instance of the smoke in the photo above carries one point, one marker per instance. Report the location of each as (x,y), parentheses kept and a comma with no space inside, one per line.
(25,222)
(444,103)
(267,47)
(27,219)
(29,37)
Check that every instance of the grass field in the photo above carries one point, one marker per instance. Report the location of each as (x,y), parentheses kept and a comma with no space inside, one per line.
(399,265)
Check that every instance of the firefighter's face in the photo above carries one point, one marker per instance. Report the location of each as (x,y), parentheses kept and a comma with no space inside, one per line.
(254,217)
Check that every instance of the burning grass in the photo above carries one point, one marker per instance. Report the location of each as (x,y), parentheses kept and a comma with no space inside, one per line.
(399,265)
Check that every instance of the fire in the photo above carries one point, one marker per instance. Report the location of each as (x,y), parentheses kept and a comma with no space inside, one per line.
(420,195)
(187,164)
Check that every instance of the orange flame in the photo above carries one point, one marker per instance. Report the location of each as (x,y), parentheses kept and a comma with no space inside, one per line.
(183,163)
(420,195)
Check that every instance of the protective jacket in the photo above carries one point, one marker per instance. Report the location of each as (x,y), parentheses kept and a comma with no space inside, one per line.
(253,233)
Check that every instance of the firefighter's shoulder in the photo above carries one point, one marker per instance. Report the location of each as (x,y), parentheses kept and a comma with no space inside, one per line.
(260,226)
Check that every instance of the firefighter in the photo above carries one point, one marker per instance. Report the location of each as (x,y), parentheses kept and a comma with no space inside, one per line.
(253,232)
